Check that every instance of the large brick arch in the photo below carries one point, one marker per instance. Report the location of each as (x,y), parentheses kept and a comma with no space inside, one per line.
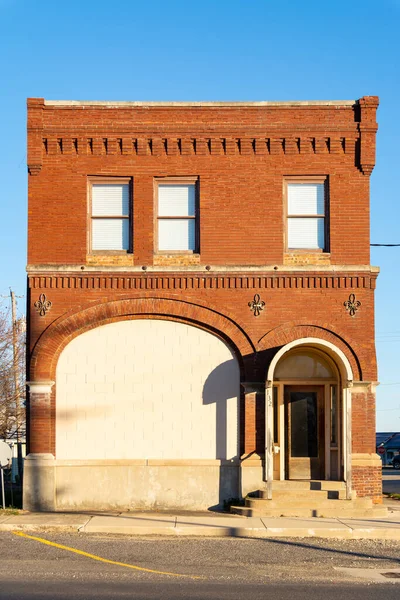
(289,332)
(48,348)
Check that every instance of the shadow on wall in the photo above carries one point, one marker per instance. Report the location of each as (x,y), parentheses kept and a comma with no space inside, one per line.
(221,385)
(222,388)
(39,493)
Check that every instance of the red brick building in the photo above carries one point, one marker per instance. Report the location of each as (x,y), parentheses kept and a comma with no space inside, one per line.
(201,301)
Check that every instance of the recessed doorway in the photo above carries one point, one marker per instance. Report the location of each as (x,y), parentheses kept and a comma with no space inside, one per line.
(304,424)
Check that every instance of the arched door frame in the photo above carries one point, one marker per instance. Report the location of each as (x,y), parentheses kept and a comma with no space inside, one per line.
(346,382)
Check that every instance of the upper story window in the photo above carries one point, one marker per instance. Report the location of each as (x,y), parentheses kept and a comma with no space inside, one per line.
(177,214)
(306,205)
(110,215)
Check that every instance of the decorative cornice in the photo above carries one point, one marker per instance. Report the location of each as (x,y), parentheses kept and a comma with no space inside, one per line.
(225,129)
(205,144)
(34,169)
(368,128)
(195,281)
(35,127)
(367,168)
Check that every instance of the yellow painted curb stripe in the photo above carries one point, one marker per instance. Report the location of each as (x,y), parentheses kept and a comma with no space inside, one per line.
(99,558)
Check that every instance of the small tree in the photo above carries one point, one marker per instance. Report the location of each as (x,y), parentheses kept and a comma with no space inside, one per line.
(12,377)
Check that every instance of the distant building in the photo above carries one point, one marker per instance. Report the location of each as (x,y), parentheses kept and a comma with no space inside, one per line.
(201,301)
(387,446)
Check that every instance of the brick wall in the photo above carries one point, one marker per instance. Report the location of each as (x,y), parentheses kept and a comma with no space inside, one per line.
(364,438)
(241,155)
(367,481)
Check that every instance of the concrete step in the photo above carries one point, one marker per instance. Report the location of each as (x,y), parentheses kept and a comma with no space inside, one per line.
(351,513)
(282,493)
(295,484)
(295,503)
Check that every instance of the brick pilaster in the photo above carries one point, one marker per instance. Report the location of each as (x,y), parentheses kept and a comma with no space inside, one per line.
(40,424)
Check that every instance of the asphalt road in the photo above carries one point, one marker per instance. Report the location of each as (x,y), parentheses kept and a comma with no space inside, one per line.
(390,480)
(199,568)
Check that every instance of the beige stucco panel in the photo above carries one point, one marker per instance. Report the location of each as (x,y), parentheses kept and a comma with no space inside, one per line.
(147,389)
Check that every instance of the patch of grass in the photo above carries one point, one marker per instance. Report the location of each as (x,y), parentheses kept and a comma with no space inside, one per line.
(8,512)
(394,496)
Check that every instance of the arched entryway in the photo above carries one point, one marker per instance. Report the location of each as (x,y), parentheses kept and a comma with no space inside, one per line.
(308,413)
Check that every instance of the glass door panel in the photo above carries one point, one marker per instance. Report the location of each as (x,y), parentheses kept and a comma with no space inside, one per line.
(304,424)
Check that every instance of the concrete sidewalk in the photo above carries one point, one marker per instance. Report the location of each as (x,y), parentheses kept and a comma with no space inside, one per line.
(207,525)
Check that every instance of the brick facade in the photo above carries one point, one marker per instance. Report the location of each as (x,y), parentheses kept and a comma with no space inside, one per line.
(241,154)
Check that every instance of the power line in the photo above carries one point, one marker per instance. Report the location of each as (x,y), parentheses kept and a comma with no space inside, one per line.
(390,332)
(382,336)
(386,245)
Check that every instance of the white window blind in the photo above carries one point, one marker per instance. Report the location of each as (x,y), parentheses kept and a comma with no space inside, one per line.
(176,200)
(306,216)
(306,233)
(110,200)
(110,216)
(306,199)
(176,234)
(110,234)
(176,217)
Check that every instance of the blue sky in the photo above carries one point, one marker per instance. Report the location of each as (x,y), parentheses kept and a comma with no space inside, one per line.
(209,50)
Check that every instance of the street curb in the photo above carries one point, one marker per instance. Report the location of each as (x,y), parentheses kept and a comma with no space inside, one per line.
(180,525)
(212,531)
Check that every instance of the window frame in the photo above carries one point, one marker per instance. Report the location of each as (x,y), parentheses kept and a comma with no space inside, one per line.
(178,180)
(304,179)
(102,180)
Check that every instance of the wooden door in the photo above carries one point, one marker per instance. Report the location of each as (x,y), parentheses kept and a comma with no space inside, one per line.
(304,428)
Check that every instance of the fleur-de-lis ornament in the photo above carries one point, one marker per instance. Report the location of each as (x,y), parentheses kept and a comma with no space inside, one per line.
(257,305)
(42,305)
(352,305)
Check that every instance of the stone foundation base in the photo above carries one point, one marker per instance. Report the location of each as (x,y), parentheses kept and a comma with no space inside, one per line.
(128,484)
(252,475)
(39,483)
(51,485)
